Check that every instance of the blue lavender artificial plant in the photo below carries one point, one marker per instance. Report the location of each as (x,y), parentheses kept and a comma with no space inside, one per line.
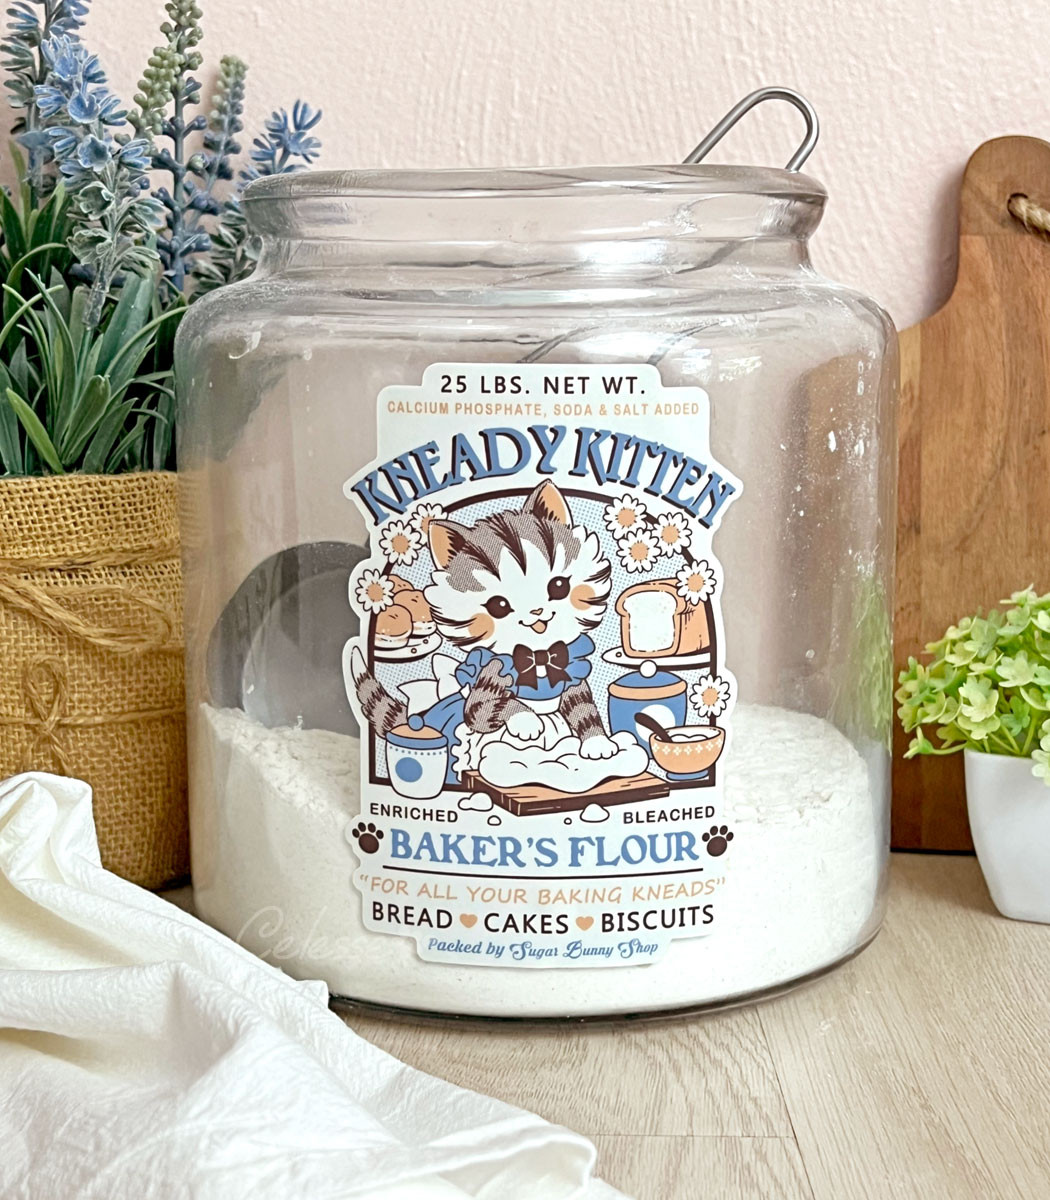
(31,23)
(97,263)
(188,248)
(286,146)
(103,170)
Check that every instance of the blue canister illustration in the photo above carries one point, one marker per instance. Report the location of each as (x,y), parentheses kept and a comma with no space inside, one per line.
(417,759)
(658,693)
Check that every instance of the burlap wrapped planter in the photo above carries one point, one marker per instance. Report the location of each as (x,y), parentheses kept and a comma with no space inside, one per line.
(91,674)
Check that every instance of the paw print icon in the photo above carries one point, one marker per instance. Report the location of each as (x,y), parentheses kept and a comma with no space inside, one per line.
(717,840)
(367,836)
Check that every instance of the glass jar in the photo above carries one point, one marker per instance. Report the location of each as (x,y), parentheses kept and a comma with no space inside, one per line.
(474,463)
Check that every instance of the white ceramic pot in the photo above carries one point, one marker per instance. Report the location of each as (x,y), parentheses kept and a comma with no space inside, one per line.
(417,759)
(1010,821)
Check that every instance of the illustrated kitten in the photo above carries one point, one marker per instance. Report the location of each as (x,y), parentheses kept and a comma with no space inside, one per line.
(525,583)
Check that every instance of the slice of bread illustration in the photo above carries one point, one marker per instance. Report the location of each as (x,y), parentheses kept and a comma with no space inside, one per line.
(656,622)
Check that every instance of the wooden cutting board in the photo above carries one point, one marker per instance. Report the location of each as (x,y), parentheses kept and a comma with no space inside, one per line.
(974,516)
(534,798)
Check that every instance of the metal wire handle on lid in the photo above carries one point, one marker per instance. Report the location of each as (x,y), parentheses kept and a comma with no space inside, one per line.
(718,131)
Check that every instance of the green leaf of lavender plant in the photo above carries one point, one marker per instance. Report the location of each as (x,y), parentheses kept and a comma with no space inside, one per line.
(164,430)
(126,319)
(132,440)
(37,256)
(19,369)
(53,224)
(10,438)
(63,362)
(21,174)
(90,412)
(11,223)
(21,307)
(35,431)
(105,437)
(59,351)
(78,331)
(129,357)
(49,358)
(60,293)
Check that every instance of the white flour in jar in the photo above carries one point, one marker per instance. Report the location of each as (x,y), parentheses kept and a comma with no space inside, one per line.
(272,868)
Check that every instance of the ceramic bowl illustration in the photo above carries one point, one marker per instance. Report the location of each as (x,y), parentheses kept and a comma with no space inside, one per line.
(691,750)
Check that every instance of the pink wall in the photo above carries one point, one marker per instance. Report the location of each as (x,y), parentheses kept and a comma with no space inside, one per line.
(906,89)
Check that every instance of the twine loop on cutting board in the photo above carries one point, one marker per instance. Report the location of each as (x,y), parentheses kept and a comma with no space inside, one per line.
(1032,216)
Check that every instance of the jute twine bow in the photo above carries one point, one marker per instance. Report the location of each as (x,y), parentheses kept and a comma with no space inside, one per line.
(45,681)
(1032,216)
(46,686)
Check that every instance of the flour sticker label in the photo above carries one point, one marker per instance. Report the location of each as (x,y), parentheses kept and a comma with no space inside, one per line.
(540,675)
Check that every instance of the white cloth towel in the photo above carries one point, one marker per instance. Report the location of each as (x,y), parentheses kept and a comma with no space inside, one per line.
(144,1056)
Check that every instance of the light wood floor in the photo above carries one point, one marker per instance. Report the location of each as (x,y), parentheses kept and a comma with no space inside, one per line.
(921,1069)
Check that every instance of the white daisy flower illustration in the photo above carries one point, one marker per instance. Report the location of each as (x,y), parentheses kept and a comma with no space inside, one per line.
(674,532)
(625,515)
(638,550)
(400,541)
(374,590)
(696,583)
(709,695)
(423,514)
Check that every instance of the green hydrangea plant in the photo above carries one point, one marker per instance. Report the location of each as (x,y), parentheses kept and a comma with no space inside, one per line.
(986,686)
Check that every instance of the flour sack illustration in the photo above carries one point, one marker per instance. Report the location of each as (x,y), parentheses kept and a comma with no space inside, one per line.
(541,677)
